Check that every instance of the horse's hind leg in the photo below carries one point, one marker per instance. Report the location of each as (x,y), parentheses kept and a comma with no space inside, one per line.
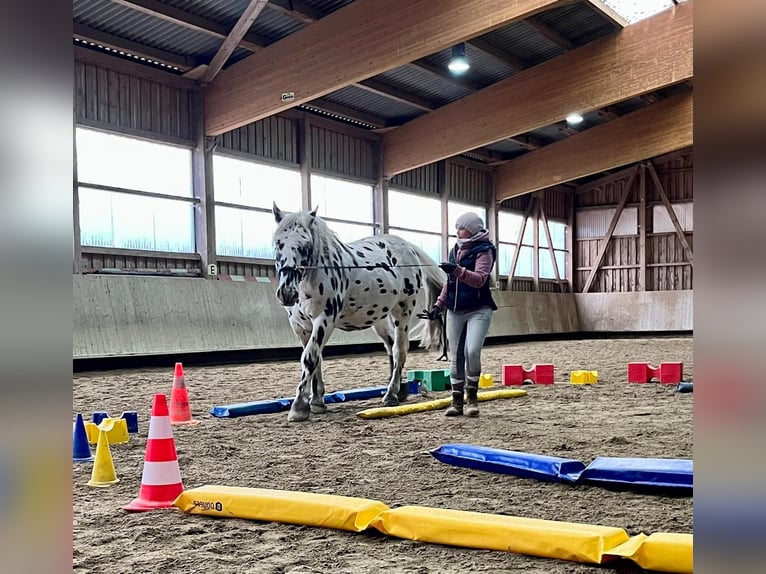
(386,330)
(396,391)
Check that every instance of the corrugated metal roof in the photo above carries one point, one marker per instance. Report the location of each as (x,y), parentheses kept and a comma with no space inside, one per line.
(505,146)
(524,42)
(578,23)
(139,27)
(372,103)
(327,6)
(223,11)
(421,83)
(275,25)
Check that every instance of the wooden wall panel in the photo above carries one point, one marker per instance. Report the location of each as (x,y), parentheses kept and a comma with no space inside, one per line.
(337,152)
(469,184)
(424,179)
(667,267)
(232,266)
(121,102)
(274,138)
(96,261)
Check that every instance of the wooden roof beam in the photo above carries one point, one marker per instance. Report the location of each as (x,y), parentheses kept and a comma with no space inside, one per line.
(547,32)
(641,58)
(354,43)
(651,131)
(382,89)
(246,19)
(511,61)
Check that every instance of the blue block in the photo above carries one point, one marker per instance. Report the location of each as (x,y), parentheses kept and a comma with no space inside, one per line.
(657,472)
(98,416)
(131,419)
(521,464)
(360,394)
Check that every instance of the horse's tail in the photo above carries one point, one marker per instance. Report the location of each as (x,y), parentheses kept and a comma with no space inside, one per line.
(433,331)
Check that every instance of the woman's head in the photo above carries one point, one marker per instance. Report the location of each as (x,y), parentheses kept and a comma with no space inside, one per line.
(468,225)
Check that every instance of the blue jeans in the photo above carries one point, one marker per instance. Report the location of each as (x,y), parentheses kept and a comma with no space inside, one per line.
(466,331)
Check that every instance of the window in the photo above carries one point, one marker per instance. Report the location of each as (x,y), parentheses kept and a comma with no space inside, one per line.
(594,223)
(133,193)
(345,205)
(558,233)
(508,227)
(661,222)
(416,218)
(244,194)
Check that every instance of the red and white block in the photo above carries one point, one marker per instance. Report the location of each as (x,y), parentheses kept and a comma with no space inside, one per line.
(161,478)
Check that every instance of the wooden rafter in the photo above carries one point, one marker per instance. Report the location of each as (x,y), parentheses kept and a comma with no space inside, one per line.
(551,251)
(246,19)
(646,56)
(354,43)
(296,10)
(671,212)
(380,88)
(647,132)
(546,31)
(610,231)
(512,61)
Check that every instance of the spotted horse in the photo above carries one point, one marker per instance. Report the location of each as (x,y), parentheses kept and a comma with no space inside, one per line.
(326,284)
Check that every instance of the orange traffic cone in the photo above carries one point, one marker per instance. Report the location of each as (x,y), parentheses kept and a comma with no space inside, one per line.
(180,411)
(161,479)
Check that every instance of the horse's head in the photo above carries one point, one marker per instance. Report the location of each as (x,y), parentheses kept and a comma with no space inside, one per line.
(293,251)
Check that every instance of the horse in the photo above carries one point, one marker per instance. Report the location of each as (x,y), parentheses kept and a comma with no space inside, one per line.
(325,284)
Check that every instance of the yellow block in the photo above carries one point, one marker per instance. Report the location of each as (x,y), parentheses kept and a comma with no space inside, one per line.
(116,430)
(381,412)
(535,537)
(486,380)
(661,551)
(583,377)
(325,510)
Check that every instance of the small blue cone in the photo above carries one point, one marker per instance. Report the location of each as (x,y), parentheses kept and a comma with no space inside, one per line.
(80,447)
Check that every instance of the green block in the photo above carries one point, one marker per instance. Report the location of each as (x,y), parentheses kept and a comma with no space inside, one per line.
(436,380)
(415,375)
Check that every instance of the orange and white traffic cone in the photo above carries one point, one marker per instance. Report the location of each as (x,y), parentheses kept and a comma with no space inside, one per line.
(180,411)
(161,479)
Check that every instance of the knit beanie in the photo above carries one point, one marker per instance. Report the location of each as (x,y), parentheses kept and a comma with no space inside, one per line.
(470,222)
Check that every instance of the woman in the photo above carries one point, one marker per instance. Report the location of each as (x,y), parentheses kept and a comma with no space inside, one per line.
(469,304)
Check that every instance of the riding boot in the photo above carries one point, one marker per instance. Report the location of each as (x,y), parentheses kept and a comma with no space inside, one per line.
(456,408)
(472,408)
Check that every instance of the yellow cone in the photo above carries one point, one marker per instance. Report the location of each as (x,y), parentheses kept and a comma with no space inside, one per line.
(103,468)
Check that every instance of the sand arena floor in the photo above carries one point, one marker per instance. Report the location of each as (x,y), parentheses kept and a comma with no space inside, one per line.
(384,459)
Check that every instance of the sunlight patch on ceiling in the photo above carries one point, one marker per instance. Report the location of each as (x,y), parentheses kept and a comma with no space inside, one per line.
(635,10)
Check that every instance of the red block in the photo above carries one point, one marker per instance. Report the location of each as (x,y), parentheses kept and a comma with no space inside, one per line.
(668,373)
(538,374)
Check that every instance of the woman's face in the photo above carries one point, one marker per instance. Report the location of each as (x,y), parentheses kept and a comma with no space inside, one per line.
(463,233)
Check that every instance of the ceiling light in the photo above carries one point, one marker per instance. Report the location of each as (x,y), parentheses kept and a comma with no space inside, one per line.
(458,64)
(574,118)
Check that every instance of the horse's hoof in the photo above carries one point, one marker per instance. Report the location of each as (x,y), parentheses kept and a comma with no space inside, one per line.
(298,416)
(403,393)
(318,409)
(390,401)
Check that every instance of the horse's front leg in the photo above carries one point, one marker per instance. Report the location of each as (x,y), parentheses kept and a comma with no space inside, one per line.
(311,359)
(399,354)
(317,391)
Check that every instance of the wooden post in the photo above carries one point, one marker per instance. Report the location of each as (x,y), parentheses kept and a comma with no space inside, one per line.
(76,240)
(202,186)
(550,246)
(671,213)
(492,225)
(380,194)
(443,185)
(642,279)
(571,234)
(304,153)
(536,242)
(610,231)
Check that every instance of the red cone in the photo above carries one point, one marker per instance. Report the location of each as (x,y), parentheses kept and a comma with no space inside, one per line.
(180,411)
(161,479)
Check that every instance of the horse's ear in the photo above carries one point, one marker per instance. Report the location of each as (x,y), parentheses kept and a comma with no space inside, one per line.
(278,215)
(314,212)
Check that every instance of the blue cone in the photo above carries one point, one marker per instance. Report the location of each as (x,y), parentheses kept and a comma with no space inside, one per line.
(80,447)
